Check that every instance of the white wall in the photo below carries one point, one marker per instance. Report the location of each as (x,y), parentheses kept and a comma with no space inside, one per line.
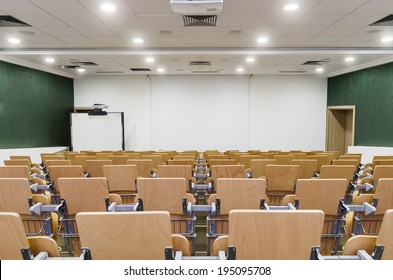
(288,112)
(130,95)
(283,112)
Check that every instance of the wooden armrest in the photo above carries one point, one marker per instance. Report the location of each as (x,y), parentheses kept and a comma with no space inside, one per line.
(190,198)
(209,180)
(220,244)
(364,198)
(290,198)
(40,198)
(180,243)
(212,198)
(193,180)
(365,180)
(360,242)
(368,165)
(43,244)
(115,198)
(38,181)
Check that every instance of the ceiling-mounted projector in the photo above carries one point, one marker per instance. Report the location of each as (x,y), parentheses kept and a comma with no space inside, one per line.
(197,7)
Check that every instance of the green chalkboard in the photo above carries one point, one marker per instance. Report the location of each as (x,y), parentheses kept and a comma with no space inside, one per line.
(34,108)
(371,91)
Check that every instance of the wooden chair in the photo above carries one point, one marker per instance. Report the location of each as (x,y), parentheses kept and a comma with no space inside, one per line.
(81,195)
(103,155)
(258,166)
(55,162)
(122,181)
(132,155)
(380,171)
(307,167)
(129,236)
(189,162)
(299,155)
(226,171)
(284,159)
(157,160)
(358,223)
(16,197)
(169,194)
(272,235)
(81,160)
(14,245)
(233,193)
(337,172)
(177,171)
(63,171)
(119,160)
(324,195)
(144,166)
(281,181)
(221,162)
(349,161)
(368,243)
(246,159)
(322,160)
(95,167)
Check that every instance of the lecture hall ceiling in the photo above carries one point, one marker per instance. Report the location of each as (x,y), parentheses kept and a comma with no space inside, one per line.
(319,34)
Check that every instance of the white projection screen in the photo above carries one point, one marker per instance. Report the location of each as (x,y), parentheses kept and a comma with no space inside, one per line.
(97,132)
(200,112)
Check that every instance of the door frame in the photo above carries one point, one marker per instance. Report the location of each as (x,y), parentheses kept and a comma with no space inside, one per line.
(329,111)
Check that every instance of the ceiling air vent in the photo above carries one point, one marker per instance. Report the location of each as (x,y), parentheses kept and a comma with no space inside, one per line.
(109,72)
(200,20)
(316,62)
(386,21)
(9,21)
(200,63)
(70,67)
(292,72)
(84,63)
(140,69)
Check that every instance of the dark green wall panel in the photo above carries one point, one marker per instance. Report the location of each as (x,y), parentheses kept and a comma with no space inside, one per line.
(371,91)
(34,108)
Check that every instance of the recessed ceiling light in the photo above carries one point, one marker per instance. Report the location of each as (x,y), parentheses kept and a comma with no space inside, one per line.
(250,59)
(291,7)
(81,70)
(262,40)
(14,40)
(149,59)
(319,70)
(108,8)
(49,60)
(386,39)
(239,69)
(138,41)
(160,69)
(349,59)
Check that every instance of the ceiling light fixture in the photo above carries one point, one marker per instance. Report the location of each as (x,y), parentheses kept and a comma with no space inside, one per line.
(149,59)
(49,60)
(387,39)
(138,41)
(108,8)
(14,41)
(319,70)
(250,59)
(239,69)
(291,7)
(160,70)
(262,40)
(81,70)
(349,59)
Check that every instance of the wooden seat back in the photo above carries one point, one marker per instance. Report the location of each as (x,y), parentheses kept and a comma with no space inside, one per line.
(274,235)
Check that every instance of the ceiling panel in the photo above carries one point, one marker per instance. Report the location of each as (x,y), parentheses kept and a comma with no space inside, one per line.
(80,29)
